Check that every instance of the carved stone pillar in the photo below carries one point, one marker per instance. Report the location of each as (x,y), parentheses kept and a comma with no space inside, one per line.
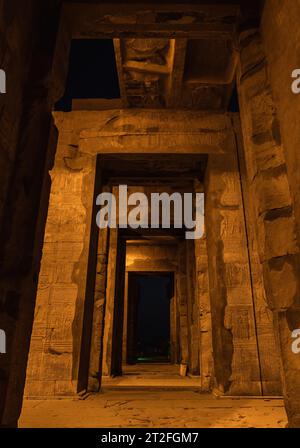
(204,313)
(95,369)
(275,225)
(182,303)
(114,308)
(54,360)
(193,321)
(236,361)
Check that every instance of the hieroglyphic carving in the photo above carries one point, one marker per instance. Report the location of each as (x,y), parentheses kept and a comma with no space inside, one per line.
(145,67)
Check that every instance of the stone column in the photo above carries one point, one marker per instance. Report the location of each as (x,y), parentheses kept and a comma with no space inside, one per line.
(53,365)
(110,302)
(204,314)
(236,362)
(182,303)
(125,321)
(267,346)
(274,216)
(193,321)
(27,148)
(95,369)
(114,308)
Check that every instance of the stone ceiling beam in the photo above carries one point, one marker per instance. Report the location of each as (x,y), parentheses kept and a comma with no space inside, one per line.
(140,131)
(91,20)
(119,63)
(177,71)
(142,67)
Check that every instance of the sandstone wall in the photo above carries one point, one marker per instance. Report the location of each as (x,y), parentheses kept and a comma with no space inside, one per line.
(142,257)
(54,361)
(270,190)
(27,144)
(234,338)
(204,315)
(281,39)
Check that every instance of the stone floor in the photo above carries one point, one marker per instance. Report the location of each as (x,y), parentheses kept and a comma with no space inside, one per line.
(157,409)
(151,375)
(153,397)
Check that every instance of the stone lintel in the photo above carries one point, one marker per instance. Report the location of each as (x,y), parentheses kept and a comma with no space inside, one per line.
(148,131)
(151,20)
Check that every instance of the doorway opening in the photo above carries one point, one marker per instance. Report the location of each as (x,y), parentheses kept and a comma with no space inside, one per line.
(148,322)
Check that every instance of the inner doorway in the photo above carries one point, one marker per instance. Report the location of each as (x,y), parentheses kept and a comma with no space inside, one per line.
(149,317)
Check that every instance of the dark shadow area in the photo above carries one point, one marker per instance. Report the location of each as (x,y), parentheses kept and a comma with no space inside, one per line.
(153,319)
(234,101)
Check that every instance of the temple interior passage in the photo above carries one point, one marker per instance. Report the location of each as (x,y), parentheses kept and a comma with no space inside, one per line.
(150,318)
(178,119)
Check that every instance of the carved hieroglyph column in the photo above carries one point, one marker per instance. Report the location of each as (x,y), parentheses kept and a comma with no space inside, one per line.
(95,368)
(236,363)
(182,293)
(53,366)
(114,307)
(274,217)
(110,303)
(193,321)
(204,313)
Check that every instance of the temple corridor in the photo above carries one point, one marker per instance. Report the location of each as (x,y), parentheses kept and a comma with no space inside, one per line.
(150,214)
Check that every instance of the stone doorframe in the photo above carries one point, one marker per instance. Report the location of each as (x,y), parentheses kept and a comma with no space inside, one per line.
(62,329)
(129,308)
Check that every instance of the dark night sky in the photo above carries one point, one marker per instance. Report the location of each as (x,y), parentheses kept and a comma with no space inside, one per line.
(92,72)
